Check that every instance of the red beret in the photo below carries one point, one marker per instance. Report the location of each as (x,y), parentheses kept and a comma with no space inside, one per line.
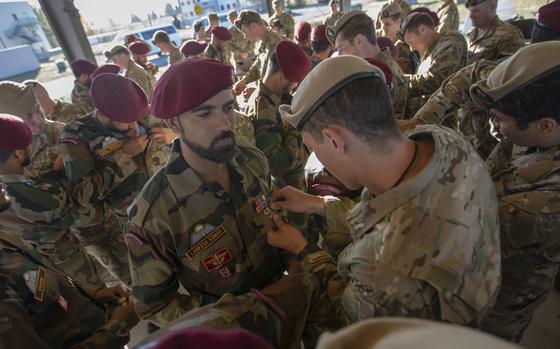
(202,338)
(383,42)
(426,10)
(549,15)
(107,68)
(293,61)
(384,67)
(188,84)
(119,98)
(15,134)
(83,66)
(303,31)
(221,33)
(193,48)
(320,33)
(139,48)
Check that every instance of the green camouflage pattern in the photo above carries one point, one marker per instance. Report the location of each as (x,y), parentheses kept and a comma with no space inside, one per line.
(43,151)
(81,96)
(41,307)
(500,40)
(428,248)
(332,18)
(287,21)
(527,182)
(266,48)
(214,53)
(448,15)
(185,232)
(243,129)
(238,45)
(66,112)
(399,93)
(174,56)
(446,55)
(144,79)
(453,97)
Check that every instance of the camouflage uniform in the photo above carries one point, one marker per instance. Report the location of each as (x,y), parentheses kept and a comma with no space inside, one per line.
(528,184)
(266,48)
(282,145)
(41,307)
(43,151)
(66,112)
(314,61)
(448,14)
(144,79)
(453,96)
(239,44)
(447,55)
(217,54)
(331,19)
(243,129)
(43,214)
(408,59)
(400,87)
(81,96)
(501,39)
(174,56)
(184,231)
(287,23)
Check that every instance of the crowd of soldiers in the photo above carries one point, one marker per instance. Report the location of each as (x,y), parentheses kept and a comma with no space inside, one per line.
(278,182)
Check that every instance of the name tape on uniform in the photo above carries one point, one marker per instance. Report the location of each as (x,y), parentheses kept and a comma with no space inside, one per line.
(206,242)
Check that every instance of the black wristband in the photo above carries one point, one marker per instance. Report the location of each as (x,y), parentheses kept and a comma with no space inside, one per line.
(309,248)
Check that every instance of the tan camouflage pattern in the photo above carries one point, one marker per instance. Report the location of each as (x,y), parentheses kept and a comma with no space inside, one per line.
(217,54)
(287,22)
(399,91)
(266,48)
(238,45)
(527,183)
(448,15)
(142,77)
(66,112)
(243,129)
(447,55)
(81,96)
(332,18)
(43,151)
(501,39)
(408,59)
(175,56)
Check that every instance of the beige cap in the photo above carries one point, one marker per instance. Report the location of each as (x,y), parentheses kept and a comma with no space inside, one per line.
(325,80)
(333,30)
(393,333)
(115,50)
(390,9)
(528,65)
(16,99)
(247,17)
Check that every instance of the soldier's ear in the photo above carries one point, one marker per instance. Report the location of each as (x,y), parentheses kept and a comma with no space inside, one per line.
(334,136)
(546,126)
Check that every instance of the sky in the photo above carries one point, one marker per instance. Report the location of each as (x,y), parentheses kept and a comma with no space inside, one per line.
(98,12)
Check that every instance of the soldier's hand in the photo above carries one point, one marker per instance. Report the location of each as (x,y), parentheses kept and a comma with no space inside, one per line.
(239,87)
(162,135)
(247,92)
(295,200)
(116,295)
(136,145)
(285,236)
(58,164)
(125,313)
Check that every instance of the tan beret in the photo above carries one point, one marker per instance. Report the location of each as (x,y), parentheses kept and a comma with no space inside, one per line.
(390,9)
(16,99)
(115,50)
(247,17)
(329,77)
(332,30)
(528,65)
(391,333)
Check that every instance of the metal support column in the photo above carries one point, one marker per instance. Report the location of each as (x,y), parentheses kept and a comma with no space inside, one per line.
(64,19)
(345,5)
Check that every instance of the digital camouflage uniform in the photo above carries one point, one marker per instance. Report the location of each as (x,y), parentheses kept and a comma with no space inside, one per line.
(448,15)
(239,44)
(446,55)
(287,21)
(184,231)
(81,96)
(44,214)
(282,144)
(266,48)
(43,151)
(399,86)
(331,19)
(453,96)
(174,56)
(141,77)
(501,39)
(528,187)
(217,54)
(66,112)
(40,307)
(243,129)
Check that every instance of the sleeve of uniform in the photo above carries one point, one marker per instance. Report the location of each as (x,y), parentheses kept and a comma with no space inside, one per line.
(337,229)
(510,43)
(254,71)
(154,280)
(289,25)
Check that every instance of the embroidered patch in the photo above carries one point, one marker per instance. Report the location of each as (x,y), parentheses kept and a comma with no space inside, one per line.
(261,205)
(110,148)
(217,259)
(206,242)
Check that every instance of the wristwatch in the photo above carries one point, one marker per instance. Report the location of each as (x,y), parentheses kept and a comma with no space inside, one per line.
(309,248)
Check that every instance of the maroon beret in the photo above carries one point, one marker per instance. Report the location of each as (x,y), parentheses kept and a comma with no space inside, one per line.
(139,48)
(383,42)
(188,84)
(384,67)
(549,15)
(119,98)
(293,61)
(107,68)
(221,33)
(320,33)
(193,48)
(83,66)
(426,10)
(129,39)
(303,31)
(203,338)
(15,134)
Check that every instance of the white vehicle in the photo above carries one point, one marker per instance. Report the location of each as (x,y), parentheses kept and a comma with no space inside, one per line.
(146,34)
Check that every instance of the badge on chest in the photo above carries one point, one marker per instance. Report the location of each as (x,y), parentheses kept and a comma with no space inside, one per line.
(217,261)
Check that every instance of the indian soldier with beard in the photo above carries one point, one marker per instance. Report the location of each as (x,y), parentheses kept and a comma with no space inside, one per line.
(81,94)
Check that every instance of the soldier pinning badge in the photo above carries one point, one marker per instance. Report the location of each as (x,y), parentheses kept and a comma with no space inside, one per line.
(263,205)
